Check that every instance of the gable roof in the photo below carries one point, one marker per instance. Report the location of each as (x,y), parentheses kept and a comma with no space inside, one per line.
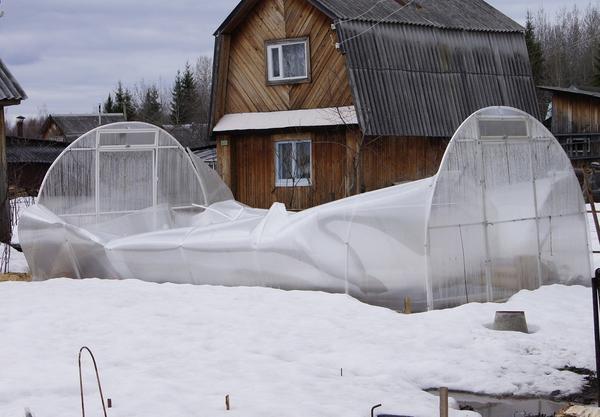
(448,14)
(10,90)
(420,67)
(74,125)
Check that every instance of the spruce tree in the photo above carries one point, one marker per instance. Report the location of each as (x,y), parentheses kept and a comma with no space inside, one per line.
(150,108)
(109,105)
(176,100)
(191,98)
(185,102)
(124,102)
(534,49)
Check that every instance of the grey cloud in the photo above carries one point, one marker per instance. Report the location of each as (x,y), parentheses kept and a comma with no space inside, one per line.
(68,54)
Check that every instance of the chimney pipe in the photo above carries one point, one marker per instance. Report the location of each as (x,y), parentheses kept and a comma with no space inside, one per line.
(20,126)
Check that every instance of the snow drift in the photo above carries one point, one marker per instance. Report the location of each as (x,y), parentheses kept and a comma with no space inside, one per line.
(503,213)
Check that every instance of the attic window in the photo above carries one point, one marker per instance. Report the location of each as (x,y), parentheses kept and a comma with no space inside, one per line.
(288,61)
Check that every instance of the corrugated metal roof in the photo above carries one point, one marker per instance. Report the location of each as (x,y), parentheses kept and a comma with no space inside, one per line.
(422,81)
(32,151)
(10,90)
(455,14)
(572,90)
(75,125)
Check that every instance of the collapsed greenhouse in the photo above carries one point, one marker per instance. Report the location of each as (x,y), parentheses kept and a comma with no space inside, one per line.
(503,213)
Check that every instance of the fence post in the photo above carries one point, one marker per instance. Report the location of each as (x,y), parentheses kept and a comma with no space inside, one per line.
(443,402)
(595,282)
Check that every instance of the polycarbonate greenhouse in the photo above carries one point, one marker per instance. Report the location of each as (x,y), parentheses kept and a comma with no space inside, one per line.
(503,213)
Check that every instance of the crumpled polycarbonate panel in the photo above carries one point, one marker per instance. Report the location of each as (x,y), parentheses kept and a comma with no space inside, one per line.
(503,213)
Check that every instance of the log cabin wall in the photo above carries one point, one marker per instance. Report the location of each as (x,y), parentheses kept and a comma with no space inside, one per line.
(575,113)
(246,87)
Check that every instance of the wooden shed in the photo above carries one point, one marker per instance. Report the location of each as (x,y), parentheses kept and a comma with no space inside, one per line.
(315,100)
(575,121)
(11,94)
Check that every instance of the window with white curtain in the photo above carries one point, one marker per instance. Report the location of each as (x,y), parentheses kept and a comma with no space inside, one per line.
(288,60)
(293,163)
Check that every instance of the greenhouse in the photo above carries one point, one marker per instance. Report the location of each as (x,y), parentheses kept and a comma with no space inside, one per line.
(503,213)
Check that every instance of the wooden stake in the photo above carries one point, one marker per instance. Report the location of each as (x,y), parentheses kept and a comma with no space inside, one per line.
(407,305)
(443,402)
(227,402)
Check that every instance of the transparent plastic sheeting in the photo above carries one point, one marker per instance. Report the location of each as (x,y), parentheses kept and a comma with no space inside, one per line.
(504,213)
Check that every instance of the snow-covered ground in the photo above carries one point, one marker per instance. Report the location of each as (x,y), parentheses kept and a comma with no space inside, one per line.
(177,350)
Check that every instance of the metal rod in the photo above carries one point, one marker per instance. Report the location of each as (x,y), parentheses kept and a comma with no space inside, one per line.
(97,379)
(373,409)
(595,282)
(590,197)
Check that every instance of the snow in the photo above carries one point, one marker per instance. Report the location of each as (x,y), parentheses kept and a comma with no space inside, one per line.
(330,116)
(172,350)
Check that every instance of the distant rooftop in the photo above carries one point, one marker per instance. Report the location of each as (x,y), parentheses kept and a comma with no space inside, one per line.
(586,91)
(32,151)
(72,126)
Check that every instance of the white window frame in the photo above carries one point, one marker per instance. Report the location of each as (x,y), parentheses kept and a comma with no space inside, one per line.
(270,46)
(293,182)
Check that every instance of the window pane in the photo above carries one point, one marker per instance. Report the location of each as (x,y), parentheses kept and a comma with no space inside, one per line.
(303,160)
(275,72)
(284,161)
(294,60)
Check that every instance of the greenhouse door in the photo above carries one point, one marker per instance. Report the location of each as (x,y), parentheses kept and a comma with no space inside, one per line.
(510,215)
(125,181)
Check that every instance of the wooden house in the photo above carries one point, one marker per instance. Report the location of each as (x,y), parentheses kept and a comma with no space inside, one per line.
(11,94)
(27,161)
(575,121)
(315,100)
(68,127)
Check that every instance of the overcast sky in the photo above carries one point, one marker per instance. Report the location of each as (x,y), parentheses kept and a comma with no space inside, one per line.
(68,54)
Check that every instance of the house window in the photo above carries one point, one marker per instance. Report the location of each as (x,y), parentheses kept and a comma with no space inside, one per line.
(293,163)
(288,61)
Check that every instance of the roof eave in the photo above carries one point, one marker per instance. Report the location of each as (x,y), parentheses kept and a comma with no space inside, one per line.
(6,103)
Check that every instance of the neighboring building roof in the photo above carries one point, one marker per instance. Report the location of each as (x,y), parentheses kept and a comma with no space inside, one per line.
(284,119)
(428,66)
(30,151)
(191,136)
(448,14)
(10,90)
(588,91)
(74,125)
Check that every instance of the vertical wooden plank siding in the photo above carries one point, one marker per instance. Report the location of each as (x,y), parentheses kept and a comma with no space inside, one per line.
(385,161)
(575,114)
(224,160)
(254,157)
(246,86)
(391,160)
